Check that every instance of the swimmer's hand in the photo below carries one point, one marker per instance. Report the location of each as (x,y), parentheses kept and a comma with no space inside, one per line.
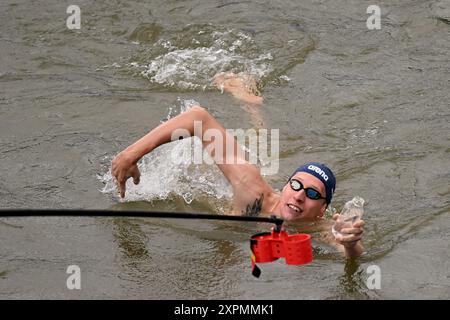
(350,238)
(241,86)
(122,168)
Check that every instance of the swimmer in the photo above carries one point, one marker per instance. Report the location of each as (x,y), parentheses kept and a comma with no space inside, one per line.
(305,196)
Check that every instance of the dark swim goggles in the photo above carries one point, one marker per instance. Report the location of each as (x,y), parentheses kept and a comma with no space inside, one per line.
(310,192)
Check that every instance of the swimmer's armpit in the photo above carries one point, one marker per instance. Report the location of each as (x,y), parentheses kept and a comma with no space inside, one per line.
(241,86)
(254,209)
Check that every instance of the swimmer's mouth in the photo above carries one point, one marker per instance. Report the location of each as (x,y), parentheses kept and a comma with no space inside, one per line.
(295,208)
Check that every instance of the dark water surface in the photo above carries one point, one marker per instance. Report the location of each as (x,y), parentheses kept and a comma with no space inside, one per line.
(373,104)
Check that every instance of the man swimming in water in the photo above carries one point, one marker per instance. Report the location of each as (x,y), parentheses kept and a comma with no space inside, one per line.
(305,196)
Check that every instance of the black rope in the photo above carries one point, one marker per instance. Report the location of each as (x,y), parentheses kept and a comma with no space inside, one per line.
(11,213)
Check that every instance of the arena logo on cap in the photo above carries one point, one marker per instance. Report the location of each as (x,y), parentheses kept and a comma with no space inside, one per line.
(319,171)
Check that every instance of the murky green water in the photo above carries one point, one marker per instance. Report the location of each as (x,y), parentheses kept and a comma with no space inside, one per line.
(373,104)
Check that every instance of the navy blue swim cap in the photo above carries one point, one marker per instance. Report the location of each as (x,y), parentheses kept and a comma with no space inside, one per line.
(321,172)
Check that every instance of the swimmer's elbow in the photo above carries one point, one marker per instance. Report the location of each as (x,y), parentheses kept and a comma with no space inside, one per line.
(199,112)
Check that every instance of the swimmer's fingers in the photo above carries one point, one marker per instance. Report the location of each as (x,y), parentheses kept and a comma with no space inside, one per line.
(120,179)
(135,174)
(355,231)
(122,168)
(358,224)
(122,188)
(348,240)
(216,79)
(219,78)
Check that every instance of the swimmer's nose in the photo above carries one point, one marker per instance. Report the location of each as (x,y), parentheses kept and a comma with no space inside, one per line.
(300,196)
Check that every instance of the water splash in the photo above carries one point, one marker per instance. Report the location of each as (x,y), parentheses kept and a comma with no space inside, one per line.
(180,107)
(194,68)
(188,59)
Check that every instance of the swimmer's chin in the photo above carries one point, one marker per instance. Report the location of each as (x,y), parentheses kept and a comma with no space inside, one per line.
(291,216)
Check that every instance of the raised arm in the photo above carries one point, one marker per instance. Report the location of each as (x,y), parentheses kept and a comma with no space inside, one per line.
(124,164)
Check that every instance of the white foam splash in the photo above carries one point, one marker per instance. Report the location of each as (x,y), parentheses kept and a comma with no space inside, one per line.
(192,68)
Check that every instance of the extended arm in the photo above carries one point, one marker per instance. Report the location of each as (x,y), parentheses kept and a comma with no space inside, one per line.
(194,121)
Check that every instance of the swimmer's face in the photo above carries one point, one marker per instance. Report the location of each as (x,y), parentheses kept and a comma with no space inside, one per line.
(296,205)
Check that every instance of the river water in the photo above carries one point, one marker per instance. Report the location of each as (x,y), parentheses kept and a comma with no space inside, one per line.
(372,104)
